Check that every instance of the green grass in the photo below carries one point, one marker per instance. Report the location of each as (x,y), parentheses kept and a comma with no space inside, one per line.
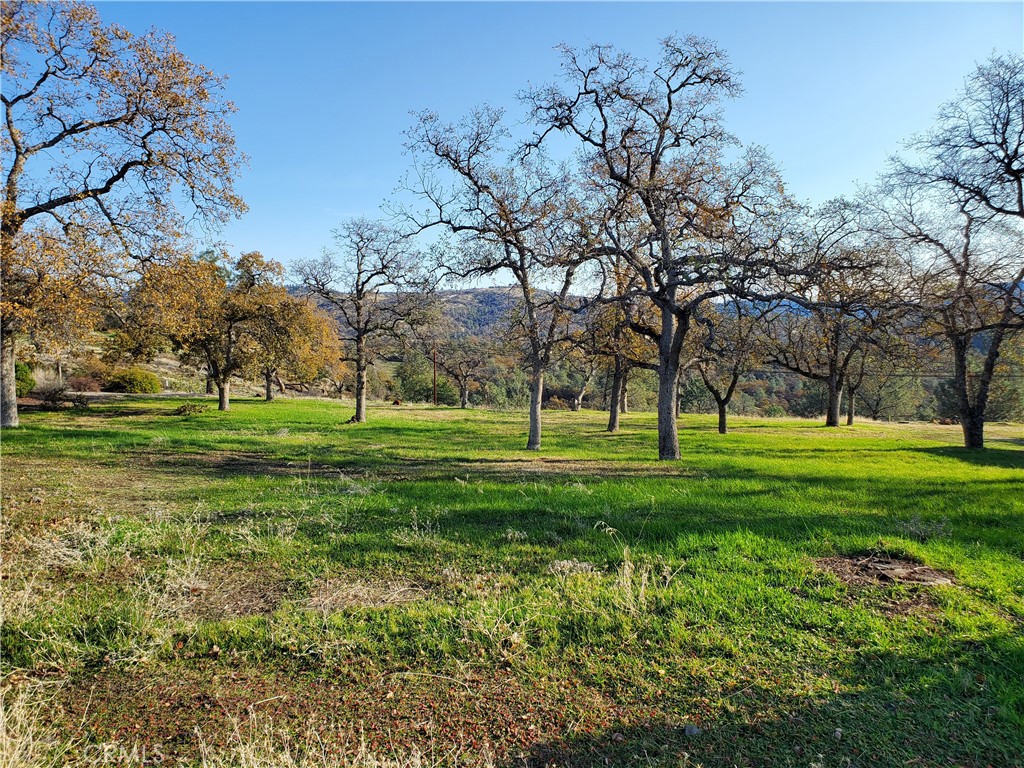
(392,584)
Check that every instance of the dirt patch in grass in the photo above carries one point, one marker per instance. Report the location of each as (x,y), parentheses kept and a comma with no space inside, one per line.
(871,570)
(226,593)
(231,463)
(903,583)
(335,593)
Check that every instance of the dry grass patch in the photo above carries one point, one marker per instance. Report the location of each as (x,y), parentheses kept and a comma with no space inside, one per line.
(225,592)
(25,742)
(335,593)
(39,495)
(256,743)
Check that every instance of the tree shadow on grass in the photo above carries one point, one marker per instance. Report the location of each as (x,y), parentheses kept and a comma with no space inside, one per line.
(963,705)
(1005,458)
(561,500)
(930,703)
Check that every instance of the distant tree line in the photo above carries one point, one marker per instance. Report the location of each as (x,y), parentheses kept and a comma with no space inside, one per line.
(662,264)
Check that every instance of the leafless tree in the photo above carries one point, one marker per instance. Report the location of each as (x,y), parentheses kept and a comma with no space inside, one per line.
(518,218)
(964,279)
(836,297)
(617,338)
(654,134)
(732,346)
(587,344)
(957,209)
(361,280)
(976,148)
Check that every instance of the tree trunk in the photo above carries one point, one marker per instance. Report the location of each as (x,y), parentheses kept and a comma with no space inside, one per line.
(269,385)
(209,385)
(972,415)
(536,398)
(60,371)
(974,430)
(668,403)
(464,395)
(577,397)
(224,396)
(360,416)
(9,386)
(624,396)
(679,401)
(835,398)
(280,384)
(668,386)
(614,400)
(723,424)
(851,400)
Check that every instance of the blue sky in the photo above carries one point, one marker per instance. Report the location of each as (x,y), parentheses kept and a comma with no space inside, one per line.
(324,89)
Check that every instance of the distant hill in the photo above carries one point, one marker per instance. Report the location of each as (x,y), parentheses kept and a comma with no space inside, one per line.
(479,311)
(474,311)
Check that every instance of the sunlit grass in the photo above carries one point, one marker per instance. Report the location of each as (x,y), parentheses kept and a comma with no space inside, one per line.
(632,597)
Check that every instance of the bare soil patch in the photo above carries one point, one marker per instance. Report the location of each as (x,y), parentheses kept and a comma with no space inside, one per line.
(882,569)
(903,583)
(489,711)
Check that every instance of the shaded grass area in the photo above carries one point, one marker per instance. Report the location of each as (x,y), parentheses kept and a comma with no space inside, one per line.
(420,582)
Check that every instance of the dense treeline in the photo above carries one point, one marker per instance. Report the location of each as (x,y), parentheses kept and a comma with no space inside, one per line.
(662,264)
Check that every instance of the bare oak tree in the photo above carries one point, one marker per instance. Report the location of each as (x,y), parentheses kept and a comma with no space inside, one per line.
(654,135)
(976,148)
(732,346)
(518,218)
(835,296)
(963,279)
(360,280)
(958,207)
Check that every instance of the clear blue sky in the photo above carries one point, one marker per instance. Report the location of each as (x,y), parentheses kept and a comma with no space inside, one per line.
(324,90)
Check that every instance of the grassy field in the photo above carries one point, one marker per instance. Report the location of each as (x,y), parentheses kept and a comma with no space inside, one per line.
(273,584)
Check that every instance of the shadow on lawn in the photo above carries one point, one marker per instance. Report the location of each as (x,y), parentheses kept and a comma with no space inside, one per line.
(958,704)
(961,706)
(1005,458)
(549,499)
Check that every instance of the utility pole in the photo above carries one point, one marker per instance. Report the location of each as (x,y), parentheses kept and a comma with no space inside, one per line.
(435,374)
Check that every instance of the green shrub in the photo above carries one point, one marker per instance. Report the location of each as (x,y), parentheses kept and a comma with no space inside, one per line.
(415,383)
(25,382)
(133,380)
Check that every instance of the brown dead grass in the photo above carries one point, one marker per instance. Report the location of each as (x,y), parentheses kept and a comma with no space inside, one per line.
(226,592)
(336,593)
(39,493)
(482,711)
